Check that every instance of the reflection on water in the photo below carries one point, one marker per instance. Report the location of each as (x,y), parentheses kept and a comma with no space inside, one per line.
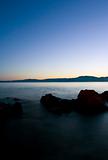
(49,136)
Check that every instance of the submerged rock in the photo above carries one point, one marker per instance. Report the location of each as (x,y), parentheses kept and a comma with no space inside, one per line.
(10,107)
(87,102)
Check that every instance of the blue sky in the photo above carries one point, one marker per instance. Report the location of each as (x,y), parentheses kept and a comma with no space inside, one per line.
(53,38)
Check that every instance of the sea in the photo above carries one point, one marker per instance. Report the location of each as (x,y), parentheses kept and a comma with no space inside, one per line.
(43,135)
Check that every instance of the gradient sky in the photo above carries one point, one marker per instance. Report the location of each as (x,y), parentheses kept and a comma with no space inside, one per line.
(53,38)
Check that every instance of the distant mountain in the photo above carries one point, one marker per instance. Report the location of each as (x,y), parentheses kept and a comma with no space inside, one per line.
(77,79)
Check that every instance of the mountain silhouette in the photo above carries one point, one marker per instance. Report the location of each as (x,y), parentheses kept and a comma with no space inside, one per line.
(77,79)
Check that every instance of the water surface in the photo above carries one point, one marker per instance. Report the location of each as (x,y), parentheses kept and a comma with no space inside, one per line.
(49,136)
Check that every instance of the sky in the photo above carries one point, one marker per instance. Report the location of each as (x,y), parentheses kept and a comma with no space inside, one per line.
(53,38)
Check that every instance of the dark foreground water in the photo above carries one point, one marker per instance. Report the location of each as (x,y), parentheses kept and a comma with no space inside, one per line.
(42,135)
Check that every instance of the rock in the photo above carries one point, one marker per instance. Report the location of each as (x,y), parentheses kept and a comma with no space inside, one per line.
(104,95)
(10,107)
(56,105)
(87,102)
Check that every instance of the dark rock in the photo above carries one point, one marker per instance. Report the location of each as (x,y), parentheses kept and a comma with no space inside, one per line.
(88,102)
(57,105)
(104,95)
(10,107)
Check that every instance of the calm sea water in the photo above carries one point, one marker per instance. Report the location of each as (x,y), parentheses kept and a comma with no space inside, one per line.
(49,136)
(33,91)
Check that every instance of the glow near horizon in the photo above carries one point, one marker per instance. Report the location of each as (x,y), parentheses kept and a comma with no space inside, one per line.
(53,38)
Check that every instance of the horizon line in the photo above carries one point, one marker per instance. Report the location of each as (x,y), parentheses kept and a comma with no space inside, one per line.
(54,78)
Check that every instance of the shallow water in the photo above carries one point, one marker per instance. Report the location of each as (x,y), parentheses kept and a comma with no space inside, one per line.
(40,133)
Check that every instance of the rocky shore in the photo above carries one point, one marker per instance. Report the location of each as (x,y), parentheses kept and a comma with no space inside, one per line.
(87,102)
(10,107)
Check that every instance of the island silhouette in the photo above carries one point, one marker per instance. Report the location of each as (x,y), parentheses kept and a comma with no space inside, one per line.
(76,79)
